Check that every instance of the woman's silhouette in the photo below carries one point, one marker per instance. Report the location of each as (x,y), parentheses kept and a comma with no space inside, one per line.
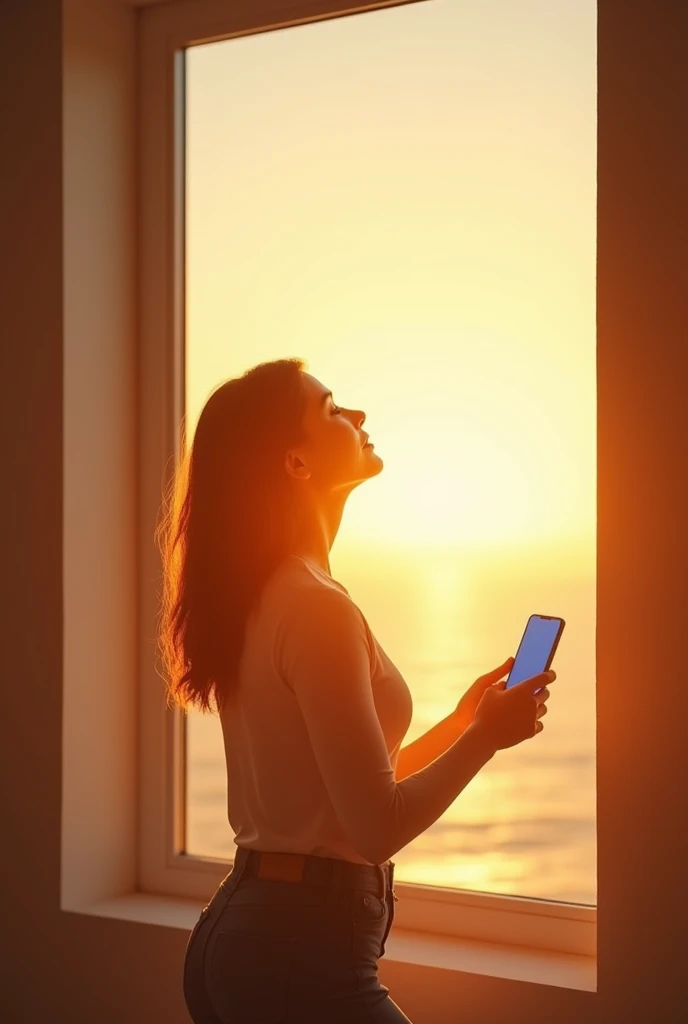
(312,709)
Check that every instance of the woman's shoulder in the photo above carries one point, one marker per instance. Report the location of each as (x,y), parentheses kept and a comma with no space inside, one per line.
(303,598)
(299,590)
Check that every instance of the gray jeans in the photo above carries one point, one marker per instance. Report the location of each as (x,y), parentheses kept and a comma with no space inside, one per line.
(282,952)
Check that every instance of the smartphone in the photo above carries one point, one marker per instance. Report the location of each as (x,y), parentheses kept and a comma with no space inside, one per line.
(536,649)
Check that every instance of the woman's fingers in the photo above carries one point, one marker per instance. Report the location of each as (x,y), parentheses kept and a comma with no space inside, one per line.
(496,674)
(541,709)
(535,682)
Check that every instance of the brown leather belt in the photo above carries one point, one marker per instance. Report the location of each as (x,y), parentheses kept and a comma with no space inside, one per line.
(329,871)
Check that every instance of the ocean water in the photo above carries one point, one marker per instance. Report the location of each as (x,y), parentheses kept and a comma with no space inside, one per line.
(525,825)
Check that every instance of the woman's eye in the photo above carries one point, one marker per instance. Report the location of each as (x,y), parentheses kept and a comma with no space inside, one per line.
(336,410)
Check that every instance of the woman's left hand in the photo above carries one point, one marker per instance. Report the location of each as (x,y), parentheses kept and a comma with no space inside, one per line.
(466,708)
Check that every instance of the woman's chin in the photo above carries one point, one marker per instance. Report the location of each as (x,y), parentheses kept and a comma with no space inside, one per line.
(373,459)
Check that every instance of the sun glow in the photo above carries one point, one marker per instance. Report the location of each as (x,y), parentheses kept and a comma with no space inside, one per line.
(432,260)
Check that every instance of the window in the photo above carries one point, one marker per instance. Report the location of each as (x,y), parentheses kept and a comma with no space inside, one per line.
(423,233)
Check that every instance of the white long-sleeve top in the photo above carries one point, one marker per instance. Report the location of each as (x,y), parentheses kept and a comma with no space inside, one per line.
(313,733)
(313,738)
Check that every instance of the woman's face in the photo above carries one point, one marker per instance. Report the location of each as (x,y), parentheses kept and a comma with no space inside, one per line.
(332,457)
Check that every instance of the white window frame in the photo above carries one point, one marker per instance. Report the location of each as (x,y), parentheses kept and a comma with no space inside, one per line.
(166,31)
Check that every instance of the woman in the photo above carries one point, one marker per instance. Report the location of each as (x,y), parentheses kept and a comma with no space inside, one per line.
(312,710)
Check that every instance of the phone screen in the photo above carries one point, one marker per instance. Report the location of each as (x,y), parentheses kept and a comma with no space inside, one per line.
(536,649)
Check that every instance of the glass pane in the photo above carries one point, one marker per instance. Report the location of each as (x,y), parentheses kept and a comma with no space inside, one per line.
(406,199)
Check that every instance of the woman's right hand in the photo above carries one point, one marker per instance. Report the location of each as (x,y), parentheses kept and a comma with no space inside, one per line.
(507,717)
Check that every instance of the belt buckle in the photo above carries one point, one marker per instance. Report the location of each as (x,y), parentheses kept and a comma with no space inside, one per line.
(282,867)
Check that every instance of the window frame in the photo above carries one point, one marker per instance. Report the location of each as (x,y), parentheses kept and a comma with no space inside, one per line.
(166,31)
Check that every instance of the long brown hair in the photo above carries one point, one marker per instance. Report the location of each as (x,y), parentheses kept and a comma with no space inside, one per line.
(228,519)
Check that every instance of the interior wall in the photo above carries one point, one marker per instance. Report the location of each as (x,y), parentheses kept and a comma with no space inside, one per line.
(68,253)
(31,416)
(75,968)
(642,592)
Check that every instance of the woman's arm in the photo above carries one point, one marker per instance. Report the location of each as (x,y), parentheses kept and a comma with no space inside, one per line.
(424,749)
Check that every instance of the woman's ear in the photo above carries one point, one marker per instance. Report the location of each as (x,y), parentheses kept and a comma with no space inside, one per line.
(296,467)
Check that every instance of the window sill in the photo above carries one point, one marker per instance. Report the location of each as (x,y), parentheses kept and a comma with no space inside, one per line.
(514,963)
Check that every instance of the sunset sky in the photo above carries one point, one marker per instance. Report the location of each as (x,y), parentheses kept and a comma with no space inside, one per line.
(406,200)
